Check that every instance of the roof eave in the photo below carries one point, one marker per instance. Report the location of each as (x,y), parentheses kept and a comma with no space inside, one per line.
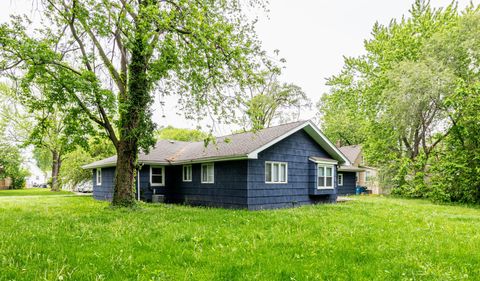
(95,166)
(211,159)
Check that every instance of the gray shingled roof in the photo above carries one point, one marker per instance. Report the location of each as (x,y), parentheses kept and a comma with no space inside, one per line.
(351,151)
(231,146)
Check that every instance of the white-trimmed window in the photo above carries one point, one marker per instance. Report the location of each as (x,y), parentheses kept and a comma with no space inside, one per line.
(276,172)
(99,176)
(324,176)
(187,173)
(340,179)
(208,173)
(157,175)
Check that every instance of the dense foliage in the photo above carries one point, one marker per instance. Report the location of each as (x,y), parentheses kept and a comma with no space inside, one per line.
(412,101)
(272,102)
(11,158)
(180,134)
(72,173)
(11,165)
(101,62)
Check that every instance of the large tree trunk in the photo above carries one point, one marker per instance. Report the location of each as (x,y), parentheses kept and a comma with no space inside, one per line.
(124,194)
(56,165)
(133,104)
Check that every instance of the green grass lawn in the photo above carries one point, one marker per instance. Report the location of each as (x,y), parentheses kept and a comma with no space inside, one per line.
(78,238)
(32,192)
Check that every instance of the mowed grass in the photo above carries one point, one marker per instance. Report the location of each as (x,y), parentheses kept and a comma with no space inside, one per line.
(32,192)
(78,238)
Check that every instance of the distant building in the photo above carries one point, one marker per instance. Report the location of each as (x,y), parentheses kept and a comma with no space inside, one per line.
(5,183)
(364,175)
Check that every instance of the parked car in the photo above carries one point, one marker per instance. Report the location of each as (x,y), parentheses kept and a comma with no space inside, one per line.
(85,187)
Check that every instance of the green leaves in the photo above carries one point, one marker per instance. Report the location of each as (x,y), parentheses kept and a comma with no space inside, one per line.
(171,133)
(409,100)
(105,60)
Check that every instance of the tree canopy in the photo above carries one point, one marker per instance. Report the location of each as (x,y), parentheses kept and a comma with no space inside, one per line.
(408,99)
(180,134)
(102,62)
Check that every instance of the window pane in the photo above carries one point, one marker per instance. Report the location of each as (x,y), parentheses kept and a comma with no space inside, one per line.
(156,171)
(187,173)
(268,172)
(321,171)
(275,172)
(329,171)
(340,179)
(157,179)
(207,173)
(329,181)
(283,177)
(204,173)
(321,181)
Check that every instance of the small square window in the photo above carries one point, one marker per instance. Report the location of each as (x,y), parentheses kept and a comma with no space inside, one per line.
(340,180)
(99,176)
(187,173)
(208,173)
(157,176)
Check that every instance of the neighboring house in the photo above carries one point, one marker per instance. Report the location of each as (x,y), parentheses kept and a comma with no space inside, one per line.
(359,173)
(283,166)
(5,183)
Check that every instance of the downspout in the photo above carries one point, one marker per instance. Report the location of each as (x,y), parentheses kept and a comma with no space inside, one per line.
(138,181)
(138,185)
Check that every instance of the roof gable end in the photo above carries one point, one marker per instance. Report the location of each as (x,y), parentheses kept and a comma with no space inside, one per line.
(315,133)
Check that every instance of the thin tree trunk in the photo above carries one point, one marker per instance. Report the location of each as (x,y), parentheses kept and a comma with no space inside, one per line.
(56,164)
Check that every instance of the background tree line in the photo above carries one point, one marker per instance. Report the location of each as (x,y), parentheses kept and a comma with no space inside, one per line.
(412,101)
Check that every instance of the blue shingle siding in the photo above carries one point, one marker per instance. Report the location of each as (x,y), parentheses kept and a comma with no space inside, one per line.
(240,183)
(349,184)
(295,150)
(229,189)
(104,191)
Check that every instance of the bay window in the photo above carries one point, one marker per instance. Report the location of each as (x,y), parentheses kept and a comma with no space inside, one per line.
(324,176)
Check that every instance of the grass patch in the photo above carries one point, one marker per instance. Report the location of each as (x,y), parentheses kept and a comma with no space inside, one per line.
(78,238)
(32,192)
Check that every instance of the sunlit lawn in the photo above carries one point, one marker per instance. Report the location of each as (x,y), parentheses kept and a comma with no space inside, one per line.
(78,238)
(32,192)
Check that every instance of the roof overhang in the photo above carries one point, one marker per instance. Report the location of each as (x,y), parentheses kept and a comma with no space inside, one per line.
(314,132)
(102,165)
(210,159)
(349,168)
(166,163)
(321,160)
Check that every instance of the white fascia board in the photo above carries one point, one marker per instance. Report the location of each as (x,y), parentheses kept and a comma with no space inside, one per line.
(103,165)
(324,161)
(327,144)
(254,154)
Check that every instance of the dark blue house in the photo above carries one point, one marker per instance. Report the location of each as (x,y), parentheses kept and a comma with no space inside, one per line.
(283,166)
